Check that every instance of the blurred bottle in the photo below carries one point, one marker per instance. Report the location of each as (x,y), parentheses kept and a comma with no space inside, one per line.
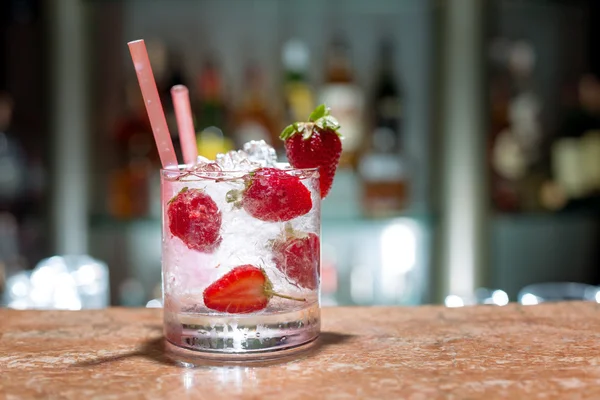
(22,185)
(160,60)
(13,161)
(211,112)
(209,107)
(575,154)
(517,134)
(383,166)
(11,261)
(585,116)
(526,128)
(567,167)
(137,160)
(576,165)
(590,158)
(345,99)
(253,119)
(174,75)
(503,163)
(298,94)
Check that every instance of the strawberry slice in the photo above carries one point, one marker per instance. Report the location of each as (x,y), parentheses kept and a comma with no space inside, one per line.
(315,144)
(272,195)
(297,254)
(195,219)
(242,290)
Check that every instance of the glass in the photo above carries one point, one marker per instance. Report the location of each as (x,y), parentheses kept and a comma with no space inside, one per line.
(558,291)
(275,318)
(70,282)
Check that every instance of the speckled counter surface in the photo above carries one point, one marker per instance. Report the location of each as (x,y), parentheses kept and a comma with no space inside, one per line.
(512,352)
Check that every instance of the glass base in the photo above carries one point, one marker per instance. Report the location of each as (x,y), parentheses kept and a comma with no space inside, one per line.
(263,336)
(196,358)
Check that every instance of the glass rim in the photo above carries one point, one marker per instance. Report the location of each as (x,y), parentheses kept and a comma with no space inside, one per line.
(182,169)
(183,174)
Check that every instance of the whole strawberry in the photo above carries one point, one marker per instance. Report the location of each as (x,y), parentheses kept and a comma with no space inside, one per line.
(272,195)
(244,289)
(297,255)
(195,219)
(315,144)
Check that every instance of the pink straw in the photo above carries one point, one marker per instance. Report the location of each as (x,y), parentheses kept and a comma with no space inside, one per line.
(185,123)
(162,137)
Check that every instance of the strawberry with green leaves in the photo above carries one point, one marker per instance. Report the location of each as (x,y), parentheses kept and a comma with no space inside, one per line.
(313,144)
(272,195)
(242,290)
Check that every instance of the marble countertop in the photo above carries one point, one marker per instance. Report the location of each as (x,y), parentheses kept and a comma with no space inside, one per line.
(545,351)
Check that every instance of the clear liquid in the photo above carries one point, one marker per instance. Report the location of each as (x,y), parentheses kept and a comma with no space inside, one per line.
(189,324)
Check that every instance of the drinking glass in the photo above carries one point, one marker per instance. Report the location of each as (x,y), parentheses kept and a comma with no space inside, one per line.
(558,291)
(289,321)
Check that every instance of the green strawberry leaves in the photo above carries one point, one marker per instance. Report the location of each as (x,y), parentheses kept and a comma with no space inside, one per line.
(328,122)
(319,112)
(319,117)
(289,131)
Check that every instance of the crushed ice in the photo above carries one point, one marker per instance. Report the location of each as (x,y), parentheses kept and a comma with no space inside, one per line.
(255,154)
(203,164)
(235,161)
(258,151)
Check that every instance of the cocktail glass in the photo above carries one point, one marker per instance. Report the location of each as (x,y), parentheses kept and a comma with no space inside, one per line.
(198,257)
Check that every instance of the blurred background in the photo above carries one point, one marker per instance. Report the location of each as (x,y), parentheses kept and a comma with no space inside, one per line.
(471,164)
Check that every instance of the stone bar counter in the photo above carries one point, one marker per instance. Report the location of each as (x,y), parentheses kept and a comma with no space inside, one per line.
(549,351)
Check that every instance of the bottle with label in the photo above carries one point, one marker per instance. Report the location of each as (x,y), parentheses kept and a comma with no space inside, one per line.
(345,99)
(211,112)
(136,160)
(298,94)
(517,154)
(13,159)
(253,120)
(173,75)
(383,166)
(504,154)
(575,153)
(209,107)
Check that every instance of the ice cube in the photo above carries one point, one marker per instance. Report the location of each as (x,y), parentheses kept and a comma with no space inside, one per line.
(236,161)
(260,152)
(203,164)
(256,154)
